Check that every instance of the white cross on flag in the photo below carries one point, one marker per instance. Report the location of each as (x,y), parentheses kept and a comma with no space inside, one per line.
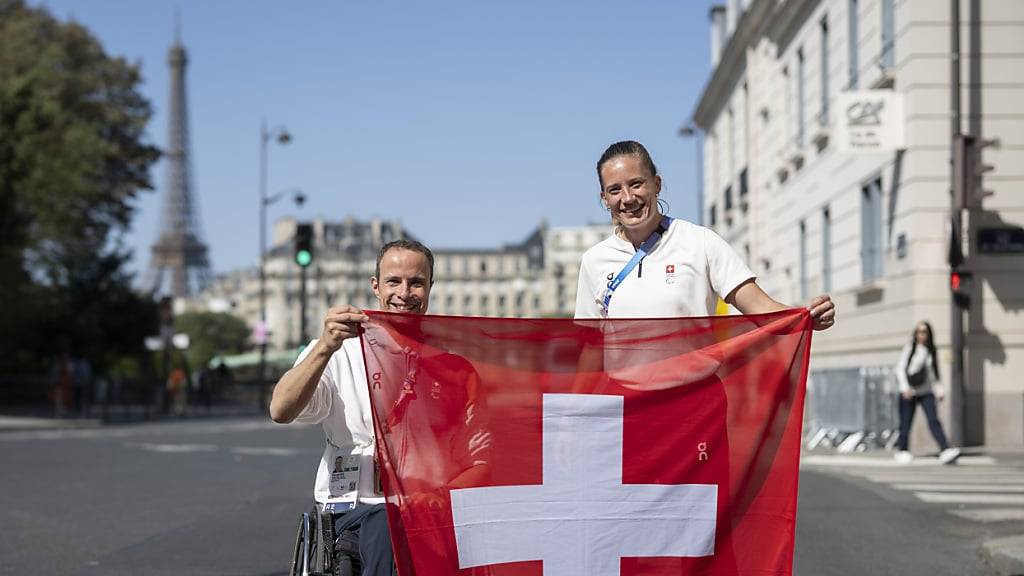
(590,448)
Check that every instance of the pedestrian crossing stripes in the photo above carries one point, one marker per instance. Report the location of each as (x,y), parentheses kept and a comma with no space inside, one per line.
(973,483)
(941,498)
(1008,488)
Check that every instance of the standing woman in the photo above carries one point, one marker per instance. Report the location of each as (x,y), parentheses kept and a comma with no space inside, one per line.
(612,281)
(918,376)
(657,266)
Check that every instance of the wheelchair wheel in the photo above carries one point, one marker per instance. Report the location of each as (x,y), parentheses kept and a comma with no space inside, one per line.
(296,567)
(314,541)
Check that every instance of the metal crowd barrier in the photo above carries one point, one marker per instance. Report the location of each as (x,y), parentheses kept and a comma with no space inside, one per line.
(852,409)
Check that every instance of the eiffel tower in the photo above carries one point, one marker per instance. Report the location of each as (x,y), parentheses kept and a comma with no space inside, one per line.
(179,250)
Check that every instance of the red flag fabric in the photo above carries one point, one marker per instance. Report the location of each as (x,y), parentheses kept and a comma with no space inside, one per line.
(589,447)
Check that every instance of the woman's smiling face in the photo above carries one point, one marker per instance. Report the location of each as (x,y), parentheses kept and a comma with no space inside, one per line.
(630,191)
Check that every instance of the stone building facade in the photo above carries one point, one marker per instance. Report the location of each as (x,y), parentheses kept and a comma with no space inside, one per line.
(529,279)
(872,228)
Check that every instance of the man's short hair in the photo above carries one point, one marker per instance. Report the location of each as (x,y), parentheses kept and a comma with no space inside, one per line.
(411,245)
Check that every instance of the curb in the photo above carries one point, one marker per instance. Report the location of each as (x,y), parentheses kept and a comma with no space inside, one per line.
(1005,555)
(21,423)
(38,423)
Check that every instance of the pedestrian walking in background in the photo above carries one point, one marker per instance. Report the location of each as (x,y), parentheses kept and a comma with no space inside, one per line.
(177,390)
(61,377)
(918,376)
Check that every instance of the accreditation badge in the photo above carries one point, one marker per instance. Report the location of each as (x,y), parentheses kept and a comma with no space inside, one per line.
(344,483)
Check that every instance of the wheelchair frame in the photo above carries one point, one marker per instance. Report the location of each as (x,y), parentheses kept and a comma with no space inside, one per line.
(314,553)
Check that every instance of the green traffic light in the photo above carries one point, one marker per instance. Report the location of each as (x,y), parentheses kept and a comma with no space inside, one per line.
(303,258)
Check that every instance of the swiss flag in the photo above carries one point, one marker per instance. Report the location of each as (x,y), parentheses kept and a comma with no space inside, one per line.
(589,447)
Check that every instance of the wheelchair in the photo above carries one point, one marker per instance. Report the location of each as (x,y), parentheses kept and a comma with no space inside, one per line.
(319,552)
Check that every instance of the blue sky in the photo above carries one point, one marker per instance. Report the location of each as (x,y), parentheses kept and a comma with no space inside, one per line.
(467,121)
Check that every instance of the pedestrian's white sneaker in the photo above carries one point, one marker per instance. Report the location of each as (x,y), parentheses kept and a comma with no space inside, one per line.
(949,455)
(904,457)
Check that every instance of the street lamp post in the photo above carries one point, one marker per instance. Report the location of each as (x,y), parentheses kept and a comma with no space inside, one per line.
(282,137)
(691,130)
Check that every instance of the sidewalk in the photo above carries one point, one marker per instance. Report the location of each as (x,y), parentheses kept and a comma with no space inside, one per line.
(1005,554)
(29,418)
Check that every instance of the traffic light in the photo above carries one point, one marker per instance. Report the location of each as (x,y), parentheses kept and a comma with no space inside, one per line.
(968,171)
(960,286)
(956,239)
(304,244)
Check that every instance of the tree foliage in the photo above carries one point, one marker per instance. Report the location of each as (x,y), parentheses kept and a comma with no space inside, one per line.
(72,161)
(211,334)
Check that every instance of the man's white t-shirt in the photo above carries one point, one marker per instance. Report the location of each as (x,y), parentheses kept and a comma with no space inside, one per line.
(341,403)
(681,277)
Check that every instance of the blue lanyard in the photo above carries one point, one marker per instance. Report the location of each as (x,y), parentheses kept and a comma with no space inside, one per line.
(639,255)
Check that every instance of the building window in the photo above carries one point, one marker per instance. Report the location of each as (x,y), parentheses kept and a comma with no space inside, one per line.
(746,124)
(728,201)
(826,250)
(871,230)
(823,115)
(744,189)
(887,60)
(800,73)
(713,215)
(788,87)
(715,162)
(803,261)
(449,302)
(732,143)
(853,61)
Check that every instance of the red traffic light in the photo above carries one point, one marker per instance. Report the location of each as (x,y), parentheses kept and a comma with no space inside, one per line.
(960,286)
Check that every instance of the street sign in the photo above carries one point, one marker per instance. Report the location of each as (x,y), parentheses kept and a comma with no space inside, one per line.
(181,341)
(155,343)
(1001,240)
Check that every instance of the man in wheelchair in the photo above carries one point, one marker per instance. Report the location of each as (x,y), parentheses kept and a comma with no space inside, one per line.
(328,386)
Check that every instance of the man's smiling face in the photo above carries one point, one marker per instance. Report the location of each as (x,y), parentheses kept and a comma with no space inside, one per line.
(404,282)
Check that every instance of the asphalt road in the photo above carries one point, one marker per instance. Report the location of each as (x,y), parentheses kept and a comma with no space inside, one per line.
(845,528)
(223,497)
(181,498)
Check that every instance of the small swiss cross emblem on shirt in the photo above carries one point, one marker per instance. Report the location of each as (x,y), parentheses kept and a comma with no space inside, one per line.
(670,269)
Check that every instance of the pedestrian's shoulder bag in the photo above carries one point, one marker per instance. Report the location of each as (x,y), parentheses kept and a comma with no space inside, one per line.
(917,379)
